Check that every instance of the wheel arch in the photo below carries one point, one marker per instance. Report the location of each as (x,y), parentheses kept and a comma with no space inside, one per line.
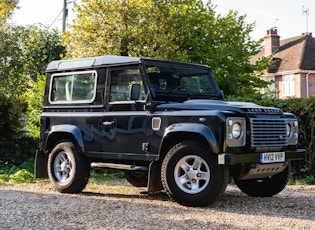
(188,131)
(62,132)
(57,134)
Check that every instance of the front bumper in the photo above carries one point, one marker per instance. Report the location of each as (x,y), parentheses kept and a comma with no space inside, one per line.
(233,159)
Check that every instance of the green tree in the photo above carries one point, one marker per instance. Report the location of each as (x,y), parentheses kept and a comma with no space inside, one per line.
(6,9)
(25,53)
(11,67)
(34,98)
(106,27)
(184,30)
(39,46)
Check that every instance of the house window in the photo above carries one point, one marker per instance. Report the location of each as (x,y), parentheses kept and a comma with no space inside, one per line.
(288,85)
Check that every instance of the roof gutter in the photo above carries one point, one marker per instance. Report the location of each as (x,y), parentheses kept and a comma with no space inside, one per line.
(289,72)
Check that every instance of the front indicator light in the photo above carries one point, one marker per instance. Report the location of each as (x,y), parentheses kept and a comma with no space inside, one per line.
(288,130)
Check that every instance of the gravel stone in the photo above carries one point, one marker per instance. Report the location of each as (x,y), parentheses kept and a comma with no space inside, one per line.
(118,205)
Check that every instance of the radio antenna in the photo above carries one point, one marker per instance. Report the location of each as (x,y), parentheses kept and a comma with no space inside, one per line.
(306,12)
(275,23)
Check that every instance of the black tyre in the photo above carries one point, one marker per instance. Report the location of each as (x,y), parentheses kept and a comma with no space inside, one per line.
(265,187)
(137,179)
(191,174)
(68,171)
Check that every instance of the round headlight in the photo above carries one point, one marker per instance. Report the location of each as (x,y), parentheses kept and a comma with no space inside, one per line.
(236,130)
(288,130)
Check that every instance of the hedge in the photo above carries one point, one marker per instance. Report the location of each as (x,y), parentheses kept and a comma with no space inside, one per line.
(15,145)
(304,110)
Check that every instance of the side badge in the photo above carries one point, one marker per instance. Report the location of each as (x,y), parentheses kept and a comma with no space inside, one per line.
(156,123)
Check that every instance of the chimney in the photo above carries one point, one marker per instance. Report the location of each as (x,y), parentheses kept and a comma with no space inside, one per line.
(272,41)
(307,34)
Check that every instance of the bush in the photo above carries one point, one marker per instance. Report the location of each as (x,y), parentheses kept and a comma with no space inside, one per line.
(17,174)
(11,110)
(15,145)
(15,151)
(304,110)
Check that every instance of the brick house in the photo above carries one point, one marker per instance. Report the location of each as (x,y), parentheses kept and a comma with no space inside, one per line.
(294,64)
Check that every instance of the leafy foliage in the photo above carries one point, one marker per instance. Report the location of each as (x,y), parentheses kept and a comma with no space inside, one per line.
(25,53)
(36,58)
(186,30)
(6,9)
(12,81)
(17,174)
(10,113)
(15,146)
(39,47)
(34,98)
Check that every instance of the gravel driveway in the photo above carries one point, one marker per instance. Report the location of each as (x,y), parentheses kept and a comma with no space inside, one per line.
(120,206)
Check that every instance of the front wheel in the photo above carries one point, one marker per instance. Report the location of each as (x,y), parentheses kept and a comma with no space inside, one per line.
(191,174)
(265,187)
(68,170)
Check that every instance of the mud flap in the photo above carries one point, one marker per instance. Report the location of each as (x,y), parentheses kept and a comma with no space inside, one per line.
(40,169)
(154,178)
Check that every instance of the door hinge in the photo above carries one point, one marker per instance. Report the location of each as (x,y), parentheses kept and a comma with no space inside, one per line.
(145,147)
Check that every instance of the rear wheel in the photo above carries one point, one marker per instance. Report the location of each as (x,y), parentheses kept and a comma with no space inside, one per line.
(191,174)
(265,187)
(68,170)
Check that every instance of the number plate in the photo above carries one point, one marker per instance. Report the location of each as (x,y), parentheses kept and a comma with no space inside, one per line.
(272,157)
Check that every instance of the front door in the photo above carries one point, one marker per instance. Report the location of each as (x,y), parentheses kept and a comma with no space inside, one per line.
(124,124)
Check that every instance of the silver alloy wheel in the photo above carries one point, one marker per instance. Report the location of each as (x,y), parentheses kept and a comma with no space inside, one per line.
(62,167)
(192,174)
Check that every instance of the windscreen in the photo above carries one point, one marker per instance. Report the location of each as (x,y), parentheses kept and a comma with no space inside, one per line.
(180,80)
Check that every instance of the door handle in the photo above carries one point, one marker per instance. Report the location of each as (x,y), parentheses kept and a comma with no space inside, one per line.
(109,123)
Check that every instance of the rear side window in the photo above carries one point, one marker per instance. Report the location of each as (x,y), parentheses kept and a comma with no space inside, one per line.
(75,87)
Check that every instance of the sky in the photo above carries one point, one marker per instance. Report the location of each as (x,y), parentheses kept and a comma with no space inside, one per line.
(46,12)
(286,15)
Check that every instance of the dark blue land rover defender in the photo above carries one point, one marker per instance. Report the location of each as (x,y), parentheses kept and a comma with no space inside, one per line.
(165,125)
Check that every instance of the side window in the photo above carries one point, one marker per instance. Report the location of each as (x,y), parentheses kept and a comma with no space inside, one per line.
(121,82)
(76,87)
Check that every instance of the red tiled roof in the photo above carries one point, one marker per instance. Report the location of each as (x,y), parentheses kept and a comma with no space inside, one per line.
(293,54)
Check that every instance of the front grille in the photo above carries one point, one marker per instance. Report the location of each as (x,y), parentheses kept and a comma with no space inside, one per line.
(268,132)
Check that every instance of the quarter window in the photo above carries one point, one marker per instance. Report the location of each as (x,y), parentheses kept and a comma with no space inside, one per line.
(76,87)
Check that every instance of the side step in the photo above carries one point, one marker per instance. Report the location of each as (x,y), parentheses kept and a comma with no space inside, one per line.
(120,167)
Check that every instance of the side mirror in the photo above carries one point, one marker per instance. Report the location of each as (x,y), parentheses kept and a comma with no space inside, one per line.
(135,92)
